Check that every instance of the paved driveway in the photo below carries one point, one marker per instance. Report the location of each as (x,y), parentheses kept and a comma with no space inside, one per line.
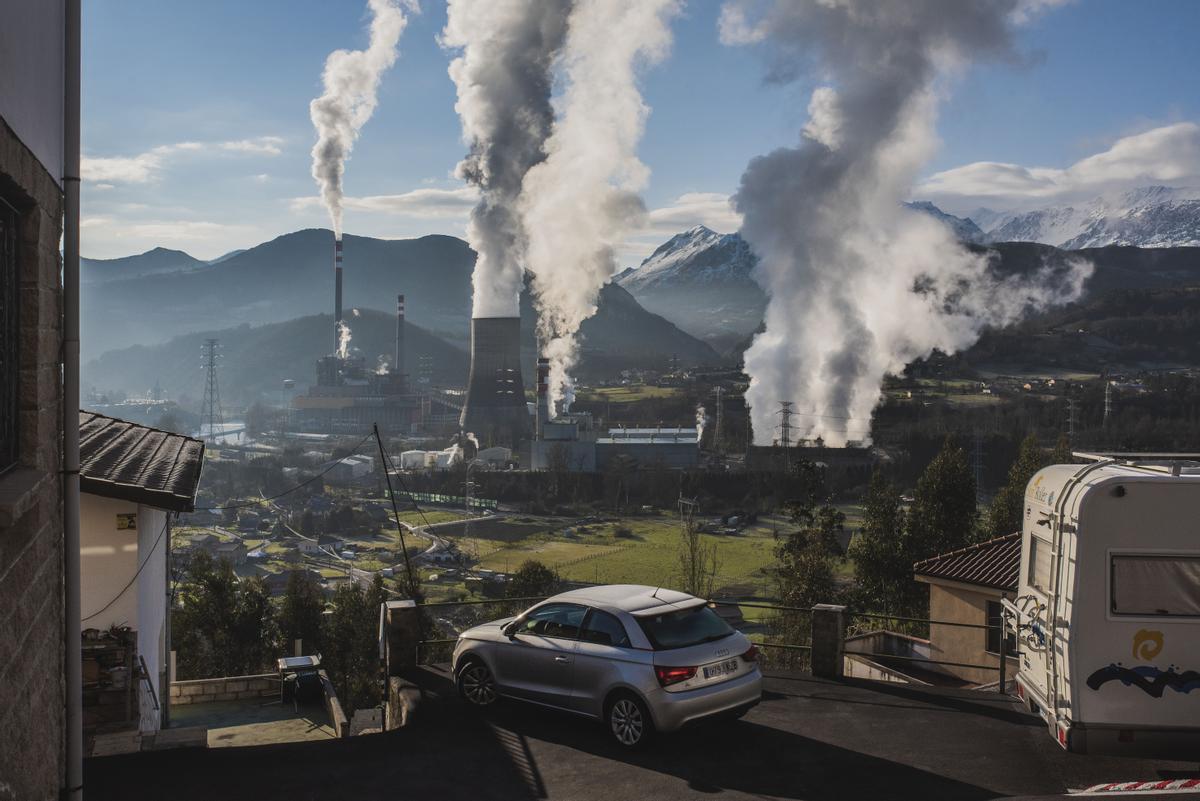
(809,739)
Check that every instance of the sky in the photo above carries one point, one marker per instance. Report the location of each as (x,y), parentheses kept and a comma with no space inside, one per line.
(196,129)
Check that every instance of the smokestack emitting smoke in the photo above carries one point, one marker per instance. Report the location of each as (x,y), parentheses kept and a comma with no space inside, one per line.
(860,286)
(543,396)
(504,80)
(580,202)
(351,79)
(338,324)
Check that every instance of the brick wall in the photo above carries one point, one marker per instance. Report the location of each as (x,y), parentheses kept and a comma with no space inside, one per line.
(226,688)
(32,741)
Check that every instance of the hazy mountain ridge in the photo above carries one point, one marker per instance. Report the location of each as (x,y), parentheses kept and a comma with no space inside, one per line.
(152,262)
(1149,217)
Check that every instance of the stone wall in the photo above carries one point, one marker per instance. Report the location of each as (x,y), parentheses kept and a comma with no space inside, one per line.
(32,738)
(226,688)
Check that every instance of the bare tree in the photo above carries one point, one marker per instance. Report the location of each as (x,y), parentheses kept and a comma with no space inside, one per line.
(697,560)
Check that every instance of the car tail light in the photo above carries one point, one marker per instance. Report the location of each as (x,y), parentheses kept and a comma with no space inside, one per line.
(673,675)
(751,655)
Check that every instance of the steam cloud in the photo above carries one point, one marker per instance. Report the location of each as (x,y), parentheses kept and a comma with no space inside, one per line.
(580,202)
(504,78)
(859,286)
(351,79)
(343,339)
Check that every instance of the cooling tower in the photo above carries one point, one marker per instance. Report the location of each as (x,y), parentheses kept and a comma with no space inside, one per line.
(495,410)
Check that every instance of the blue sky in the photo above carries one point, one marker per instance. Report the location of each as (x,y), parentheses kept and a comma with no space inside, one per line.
(197,136)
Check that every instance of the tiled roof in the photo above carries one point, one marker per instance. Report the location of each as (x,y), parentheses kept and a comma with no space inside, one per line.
(995,563)
(132,462)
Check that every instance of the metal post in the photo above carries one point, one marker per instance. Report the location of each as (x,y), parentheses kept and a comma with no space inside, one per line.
(383,463)
(1003,648)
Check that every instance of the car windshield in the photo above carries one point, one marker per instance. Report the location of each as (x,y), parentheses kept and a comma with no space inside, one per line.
(685,627)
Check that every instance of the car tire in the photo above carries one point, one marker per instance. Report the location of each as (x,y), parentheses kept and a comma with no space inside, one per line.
(629,721)
(475,683)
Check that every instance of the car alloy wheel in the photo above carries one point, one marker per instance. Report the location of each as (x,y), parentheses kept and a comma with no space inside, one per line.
(475,682)
(627,721)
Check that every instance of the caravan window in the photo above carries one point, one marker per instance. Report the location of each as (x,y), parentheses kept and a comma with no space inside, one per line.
(1039,564)
(1156,585)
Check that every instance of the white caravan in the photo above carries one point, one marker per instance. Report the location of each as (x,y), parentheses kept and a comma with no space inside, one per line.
(1107,612)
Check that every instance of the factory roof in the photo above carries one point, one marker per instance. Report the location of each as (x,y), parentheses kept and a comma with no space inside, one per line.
(132,462)
(651,436)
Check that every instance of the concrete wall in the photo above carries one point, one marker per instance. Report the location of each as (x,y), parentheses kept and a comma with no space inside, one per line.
(32,69)
(959,644)
(152,605)
(32,740)
(226,688)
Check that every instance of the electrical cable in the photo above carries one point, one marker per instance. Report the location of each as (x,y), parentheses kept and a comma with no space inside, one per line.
(146,561)
(304,483)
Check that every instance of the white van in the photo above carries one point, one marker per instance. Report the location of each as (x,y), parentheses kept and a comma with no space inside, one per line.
(1107,611)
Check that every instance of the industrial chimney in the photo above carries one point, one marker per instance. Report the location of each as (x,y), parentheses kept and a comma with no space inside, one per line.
(543,396)
(337,293)
(398,362)
(495,410)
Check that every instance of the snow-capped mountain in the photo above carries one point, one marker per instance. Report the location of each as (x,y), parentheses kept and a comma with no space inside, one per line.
(964,227)
(1151,217)
(701,281)
(698,256)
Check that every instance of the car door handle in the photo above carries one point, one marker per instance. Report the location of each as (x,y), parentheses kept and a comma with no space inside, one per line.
(561,659)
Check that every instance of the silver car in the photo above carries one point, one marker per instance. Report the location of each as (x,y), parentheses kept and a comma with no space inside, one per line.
(642,659)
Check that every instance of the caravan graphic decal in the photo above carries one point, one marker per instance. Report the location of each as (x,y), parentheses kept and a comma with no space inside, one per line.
(1150,680)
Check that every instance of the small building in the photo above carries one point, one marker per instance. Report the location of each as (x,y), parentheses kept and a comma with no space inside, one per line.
(232,552)
(133,480)
(673,448)
(497,456)
(321,544)
(966,586)
(349,470)
(203,542)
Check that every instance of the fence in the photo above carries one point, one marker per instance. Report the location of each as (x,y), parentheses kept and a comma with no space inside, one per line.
(784,634)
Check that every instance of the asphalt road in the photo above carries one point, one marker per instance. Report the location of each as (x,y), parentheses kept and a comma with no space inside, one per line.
(809,739)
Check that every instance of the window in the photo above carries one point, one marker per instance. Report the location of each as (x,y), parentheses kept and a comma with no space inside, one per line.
(683,628)
(602,628)
(8,336)
(1039,564)
(995,621)
(554,620)
(1161,586)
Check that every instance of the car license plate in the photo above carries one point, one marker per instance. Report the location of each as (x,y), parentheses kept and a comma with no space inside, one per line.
(728,666)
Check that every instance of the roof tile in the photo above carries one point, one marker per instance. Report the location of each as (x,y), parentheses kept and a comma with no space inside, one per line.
(995,563)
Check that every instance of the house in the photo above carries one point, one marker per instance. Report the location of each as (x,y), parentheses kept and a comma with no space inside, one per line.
(134,480)
(34,569)
(966,586)
(232,552)
(322,544)
(348,470)
(203,542)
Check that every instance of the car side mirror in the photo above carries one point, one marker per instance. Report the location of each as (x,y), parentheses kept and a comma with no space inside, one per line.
(510,630)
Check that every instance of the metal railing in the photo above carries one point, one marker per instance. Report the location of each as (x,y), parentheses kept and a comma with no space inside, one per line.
(788,631)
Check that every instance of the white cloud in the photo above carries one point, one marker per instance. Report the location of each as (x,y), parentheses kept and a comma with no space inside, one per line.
(261,178)
(421,203)
(1166,155)
(146,167)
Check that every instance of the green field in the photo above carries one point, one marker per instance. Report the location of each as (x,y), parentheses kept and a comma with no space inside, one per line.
(628,394)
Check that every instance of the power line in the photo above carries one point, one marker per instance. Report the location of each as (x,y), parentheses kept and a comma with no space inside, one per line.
(212,393)
(145,562)
(304,483)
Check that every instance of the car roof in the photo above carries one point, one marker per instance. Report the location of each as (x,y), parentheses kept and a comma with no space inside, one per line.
(632,598)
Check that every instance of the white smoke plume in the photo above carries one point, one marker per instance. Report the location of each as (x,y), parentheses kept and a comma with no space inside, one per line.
(351,81)
(382,365)
(504,78)
(580,202)
(343,338)
(701,422)
(860,286)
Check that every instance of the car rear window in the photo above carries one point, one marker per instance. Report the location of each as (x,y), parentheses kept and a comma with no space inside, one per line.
(683,628)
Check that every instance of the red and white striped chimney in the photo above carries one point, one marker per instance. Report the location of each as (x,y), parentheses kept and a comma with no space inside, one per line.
(337,293)
(398,364)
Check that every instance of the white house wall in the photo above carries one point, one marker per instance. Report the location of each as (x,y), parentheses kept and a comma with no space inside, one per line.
(152,606)
(108,559)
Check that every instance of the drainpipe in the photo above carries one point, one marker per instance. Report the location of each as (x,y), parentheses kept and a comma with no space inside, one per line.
(72,646)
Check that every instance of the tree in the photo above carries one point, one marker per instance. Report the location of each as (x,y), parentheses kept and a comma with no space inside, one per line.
(1062,451)
(883,554)
(351,637)
(301,614)
(697,560)
(943,512)
(533,580)
(169,421)
(1004,515)
(225,627)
